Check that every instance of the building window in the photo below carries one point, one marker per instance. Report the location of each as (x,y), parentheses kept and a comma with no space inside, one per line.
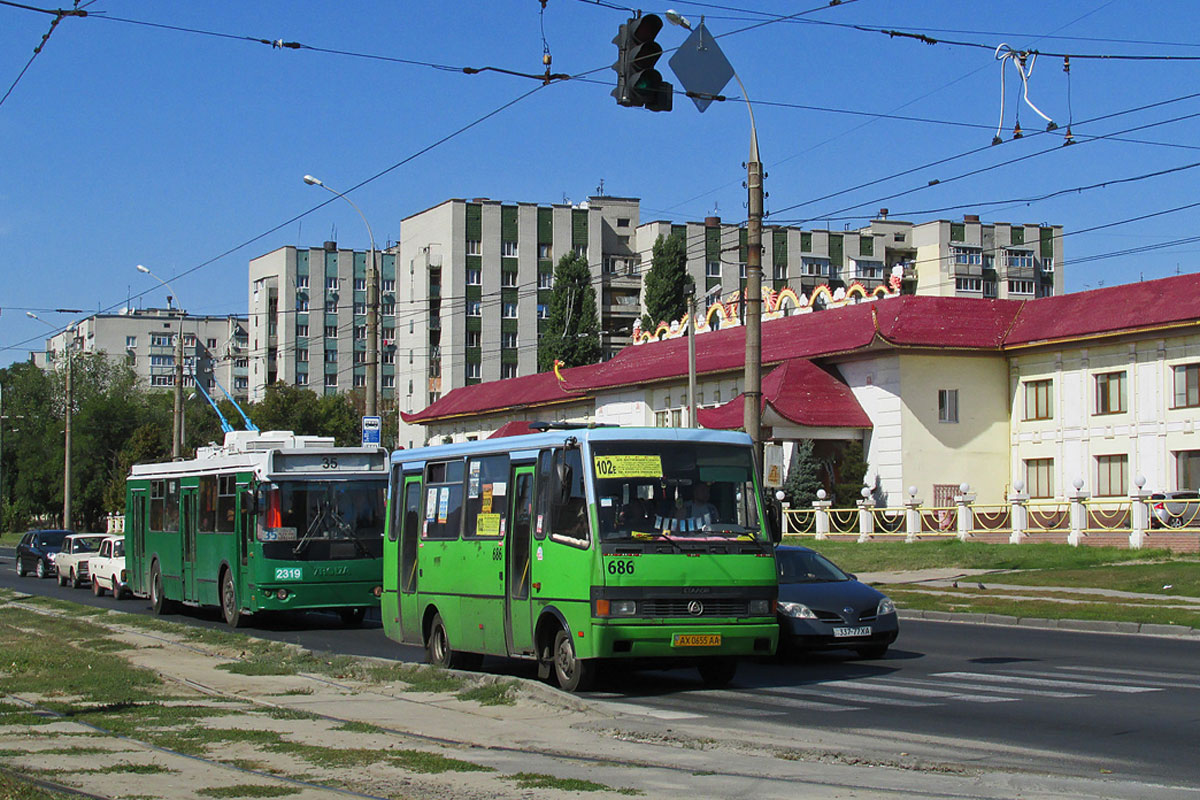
(1112,476)
(302,379)
(1110,393)
(473,338)
(712,269)
(662,419)
(543,311)
(302,330)
(302,355)
(473,277)
(301,281)
(509,311)
(360,284)
(508,248)
(544,251)
(947,405)
(387,381)
(1039,477)
(389,307)
(508,278)
(1017,286)
(331,284)
(872,270)
(742,271)
(244,363)
(359,357)
(581,250)
(331,331)
(472,371)
(1187,470)
(1187,386)
(622,222)
(160,340)
(1018,259)
(331,379)
(302,304)
(813,267)
(240,383)
(162,380)
(210,343)
(780,273)
(360,332)
(360,309)
(508,370)
(331,356)
(162,361)
(131,342)
(1038,399)
(508,340)
(967,256)
(1047,265)
(968,284)
(360,380)
(474,308)
(473,247)
(546,280)
(989,289)
(388,284)
(331,306)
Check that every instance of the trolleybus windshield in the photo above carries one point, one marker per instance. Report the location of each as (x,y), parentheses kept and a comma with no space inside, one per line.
(321,520)
(676,490)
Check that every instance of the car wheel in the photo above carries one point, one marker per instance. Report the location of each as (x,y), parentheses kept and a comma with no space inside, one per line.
(352,617)
(874,651)
(75,581)
(40,569)
(62,579)
(116,590)
(229,601)
(19,567)
(97,589)
(717,672)
(1175,521)
(158,601)
(573,674)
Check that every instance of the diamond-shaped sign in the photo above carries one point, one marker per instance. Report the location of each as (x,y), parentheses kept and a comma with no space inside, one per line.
(701,67)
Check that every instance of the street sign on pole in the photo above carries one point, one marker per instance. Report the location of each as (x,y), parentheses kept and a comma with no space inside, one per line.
(701,67)
(372,430)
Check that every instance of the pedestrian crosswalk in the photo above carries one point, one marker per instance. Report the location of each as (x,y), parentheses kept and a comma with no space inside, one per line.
(903,689)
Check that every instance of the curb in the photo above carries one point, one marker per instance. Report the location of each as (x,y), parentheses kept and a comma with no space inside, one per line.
(1079,625)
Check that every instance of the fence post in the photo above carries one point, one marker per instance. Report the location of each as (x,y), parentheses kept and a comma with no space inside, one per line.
(1139,514)
(912,515)
(1078,513)
(963,500)
(1020,512)
(866,516)
(821,515)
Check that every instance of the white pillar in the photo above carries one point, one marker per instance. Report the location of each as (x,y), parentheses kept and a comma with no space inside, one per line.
(1018,498)
(866,516)
(965,515)
(821,515)
(912,515)
(1078,513)
(1139,513)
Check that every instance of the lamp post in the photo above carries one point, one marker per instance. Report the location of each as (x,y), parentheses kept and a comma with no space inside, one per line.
(372,377)
(177,427)
(752,419)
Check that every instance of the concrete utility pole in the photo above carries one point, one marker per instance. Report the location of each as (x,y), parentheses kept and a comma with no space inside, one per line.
(372,376)
(752,418)
(177,426)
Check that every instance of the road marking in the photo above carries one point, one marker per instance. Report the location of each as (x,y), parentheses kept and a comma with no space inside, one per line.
(768,697)
(917,691)
(1188,679)
(644,711)
(816,689)
(1065,684)
(1017,690)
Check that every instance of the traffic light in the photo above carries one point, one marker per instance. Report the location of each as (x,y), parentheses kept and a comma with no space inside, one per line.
(638,82)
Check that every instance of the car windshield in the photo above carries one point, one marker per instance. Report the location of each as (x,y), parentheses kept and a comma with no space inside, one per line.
(674,490)
(89,544)
(805,566)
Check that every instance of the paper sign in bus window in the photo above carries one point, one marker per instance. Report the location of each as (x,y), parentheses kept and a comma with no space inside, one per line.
(443,505)
(486,503)
(473,480)
(628,466)
(487,525)
(431,504)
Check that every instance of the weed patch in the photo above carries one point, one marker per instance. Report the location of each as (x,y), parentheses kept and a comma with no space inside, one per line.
(431,763)
(533,780)
(247,790)
(491,694)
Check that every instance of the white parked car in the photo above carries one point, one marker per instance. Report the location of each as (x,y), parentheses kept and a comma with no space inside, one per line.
(107,568)
(72,561)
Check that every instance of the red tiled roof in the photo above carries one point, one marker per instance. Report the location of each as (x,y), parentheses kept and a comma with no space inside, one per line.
(799,391)
(511,393)
(953,322)
(516,428)
(1132,306)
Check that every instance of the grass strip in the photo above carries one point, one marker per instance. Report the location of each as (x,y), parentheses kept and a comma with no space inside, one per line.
(247,790)
(1179,579)
(1104,610)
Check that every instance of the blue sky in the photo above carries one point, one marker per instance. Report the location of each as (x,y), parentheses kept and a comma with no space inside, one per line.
(125,144)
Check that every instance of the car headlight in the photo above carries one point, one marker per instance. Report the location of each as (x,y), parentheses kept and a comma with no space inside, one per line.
(51,556)
(759,608)
(796,610)
(886,606)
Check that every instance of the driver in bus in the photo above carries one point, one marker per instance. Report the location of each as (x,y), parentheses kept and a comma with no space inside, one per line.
(699,507)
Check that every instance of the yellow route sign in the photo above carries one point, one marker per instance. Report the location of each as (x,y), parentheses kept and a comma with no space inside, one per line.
(628,466)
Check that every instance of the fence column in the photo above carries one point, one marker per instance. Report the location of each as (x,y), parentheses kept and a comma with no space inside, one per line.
(821,515)
(912,515)
(866,516)
(1139,514)
(1019,499)
(1079,513)
(965,516)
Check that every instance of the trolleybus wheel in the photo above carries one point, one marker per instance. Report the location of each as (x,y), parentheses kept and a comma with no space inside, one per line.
(717,672)
(352,617)
(158,601)
(229,601)
(574,674)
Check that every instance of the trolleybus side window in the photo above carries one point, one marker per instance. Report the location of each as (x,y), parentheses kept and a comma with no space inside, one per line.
(562,504)
(443,500)
(487,495)
(171,506)
(208,503)
(226,503)
(157,492)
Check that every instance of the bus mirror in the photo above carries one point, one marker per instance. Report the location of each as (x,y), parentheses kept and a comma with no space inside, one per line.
(775,521)
(563,473)
(250,501)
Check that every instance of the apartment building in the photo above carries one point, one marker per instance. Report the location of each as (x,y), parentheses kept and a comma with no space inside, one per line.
(215,348)
(308,320)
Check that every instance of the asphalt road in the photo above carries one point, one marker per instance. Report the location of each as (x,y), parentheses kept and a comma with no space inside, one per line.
(977,695)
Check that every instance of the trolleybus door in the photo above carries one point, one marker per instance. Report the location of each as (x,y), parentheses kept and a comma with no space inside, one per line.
(187,528)
(407,563)
(135,544)
(518,532)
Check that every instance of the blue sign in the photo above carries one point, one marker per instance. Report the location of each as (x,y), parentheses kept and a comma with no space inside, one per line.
(372,429)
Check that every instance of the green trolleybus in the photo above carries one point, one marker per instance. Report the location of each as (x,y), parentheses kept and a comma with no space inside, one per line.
(269,521)
(576,546)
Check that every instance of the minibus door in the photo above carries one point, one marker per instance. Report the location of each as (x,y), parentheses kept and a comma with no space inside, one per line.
(408,563)
(518,534)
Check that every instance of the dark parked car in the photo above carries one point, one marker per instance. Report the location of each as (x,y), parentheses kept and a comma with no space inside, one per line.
(37,550)
(823,608)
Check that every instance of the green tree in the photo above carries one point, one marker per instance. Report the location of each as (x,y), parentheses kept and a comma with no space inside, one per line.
(851,468)
(572,332)
(665,287)
(291,408)
(804,475)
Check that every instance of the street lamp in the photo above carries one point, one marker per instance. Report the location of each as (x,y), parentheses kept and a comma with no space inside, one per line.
(177,428)
(372,377)
(753,292)
(68,402)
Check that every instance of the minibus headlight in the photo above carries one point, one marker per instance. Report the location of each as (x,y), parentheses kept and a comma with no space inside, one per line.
(624,608)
